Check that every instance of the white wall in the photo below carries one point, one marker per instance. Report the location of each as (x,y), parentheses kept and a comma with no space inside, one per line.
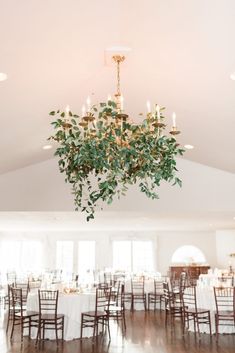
(164,244)
(41,187)
(225,245)
(168,242)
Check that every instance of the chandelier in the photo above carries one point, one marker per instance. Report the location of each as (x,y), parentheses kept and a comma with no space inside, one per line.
(102,152)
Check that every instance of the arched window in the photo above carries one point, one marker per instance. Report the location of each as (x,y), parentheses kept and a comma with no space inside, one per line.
(188,254)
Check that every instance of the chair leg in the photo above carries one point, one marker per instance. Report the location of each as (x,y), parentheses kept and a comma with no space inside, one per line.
(62,329)
(132,303)
(56,332)
(22,330)
(39,332)
(81,327)
(94,329)
(198,328)
(30,327)
(108,329)
(124,318)
(13,327)
(9,317)
(209,317)
(216,327)
(43,330)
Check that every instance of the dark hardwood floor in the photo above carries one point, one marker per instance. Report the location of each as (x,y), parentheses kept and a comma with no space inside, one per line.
(145,333)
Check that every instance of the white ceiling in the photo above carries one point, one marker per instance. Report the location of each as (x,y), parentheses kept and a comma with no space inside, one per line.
(115,221)
(182,56)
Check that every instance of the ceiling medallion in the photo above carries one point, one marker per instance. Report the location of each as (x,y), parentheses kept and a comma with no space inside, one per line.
(102,152)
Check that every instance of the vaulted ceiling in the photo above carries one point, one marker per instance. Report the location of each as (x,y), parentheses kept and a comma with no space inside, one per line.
(182,56)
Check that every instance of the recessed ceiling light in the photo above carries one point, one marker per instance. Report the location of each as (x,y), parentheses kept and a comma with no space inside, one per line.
(3,76)
(234,218)
(47,147)
(232,76)
(188,147)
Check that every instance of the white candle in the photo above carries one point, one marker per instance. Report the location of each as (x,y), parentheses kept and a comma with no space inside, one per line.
(67,110)
(174,119)
(109,97)
(158,111)
(83,110)
(148,107)
(88,102)
(121,103)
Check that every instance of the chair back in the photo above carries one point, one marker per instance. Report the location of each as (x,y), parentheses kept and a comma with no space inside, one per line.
(158,286)
(103,285)
(25,289)
(189,298)
(119,277)
(102,299)
(168,296)
(11,278)
(34,285)
(183,281)
(48,302)
(108,278)
(16,300)
(137,285)
(227,281)
(224,299)
(121,297)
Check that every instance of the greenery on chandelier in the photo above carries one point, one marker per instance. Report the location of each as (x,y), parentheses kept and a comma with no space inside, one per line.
(103,153)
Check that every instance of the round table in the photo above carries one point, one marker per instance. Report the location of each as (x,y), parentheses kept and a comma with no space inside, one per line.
(71,305)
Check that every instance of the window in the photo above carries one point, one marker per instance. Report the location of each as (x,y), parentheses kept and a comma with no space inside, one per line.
(142,256)
(10,255)
(21,256)
(31,253)
(133,255)
(86,256)
(188,254)
(122,255)
(64,256)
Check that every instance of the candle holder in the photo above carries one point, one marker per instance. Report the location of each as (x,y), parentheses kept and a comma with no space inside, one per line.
(83,123)
(122,116)
(88,117)
(174,131)
(66,125)
(159,124)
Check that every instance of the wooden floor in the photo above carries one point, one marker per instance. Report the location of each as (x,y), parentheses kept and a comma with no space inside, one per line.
(145,333)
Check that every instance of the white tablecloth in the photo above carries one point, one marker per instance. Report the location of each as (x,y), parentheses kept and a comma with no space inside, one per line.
(71,305)
(206,300)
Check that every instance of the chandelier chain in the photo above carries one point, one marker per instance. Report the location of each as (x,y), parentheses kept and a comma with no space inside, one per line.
(118,78)
(118,59)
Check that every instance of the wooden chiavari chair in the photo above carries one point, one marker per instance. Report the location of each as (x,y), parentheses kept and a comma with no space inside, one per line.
(191,312)
(49,319)
(117,310)
(173,307)
(156,297)
(20,315)
(100,315)
(225,307)
(138,294)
